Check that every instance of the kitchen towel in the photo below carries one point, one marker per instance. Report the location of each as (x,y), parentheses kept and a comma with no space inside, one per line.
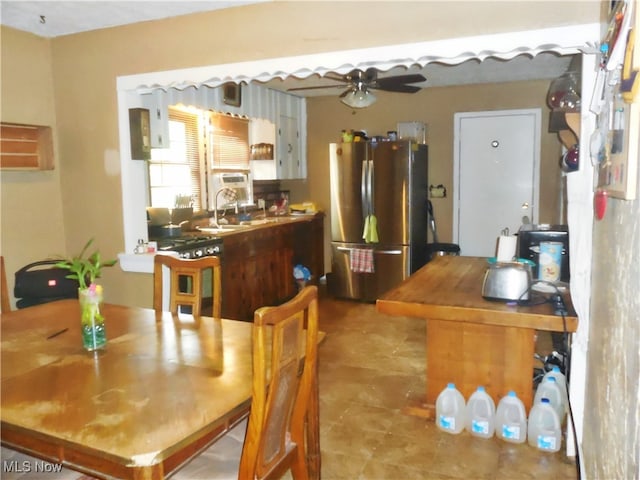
(373,229)
(365,230)
(370,232)
(361,260)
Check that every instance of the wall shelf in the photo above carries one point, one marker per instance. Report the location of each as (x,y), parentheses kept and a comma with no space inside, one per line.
(26,147)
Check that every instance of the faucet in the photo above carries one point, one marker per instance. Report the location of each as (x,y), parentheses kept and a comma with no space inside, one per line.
(231,193)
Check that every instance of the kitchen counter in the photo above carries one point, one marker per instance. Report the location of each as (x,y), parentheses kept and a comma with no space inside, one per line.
(143,263)
(472,341)
(254,224)
(258,260)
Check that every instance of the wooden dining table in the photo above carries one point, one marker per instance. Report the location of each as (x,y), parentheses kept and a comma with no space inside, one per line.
(164,387)
(471,341)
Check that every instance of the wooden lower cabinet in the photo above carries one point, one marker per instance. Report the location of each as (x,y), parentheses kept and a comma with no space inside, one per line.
(257,265)
(308,246)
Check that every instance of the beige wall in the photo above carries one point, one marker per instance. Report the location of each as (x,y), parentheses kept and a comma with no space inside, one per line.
(30,202)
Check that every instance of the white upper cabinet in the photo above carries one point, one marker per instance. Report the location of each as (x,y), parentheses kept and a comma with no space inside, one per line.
(291,138)
(287,112)
(157,104)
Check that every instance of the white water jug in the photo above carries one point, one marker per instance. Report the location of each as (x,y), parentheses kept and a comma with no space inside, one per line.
(450,410)
(544,427)
(480,414)
(548,388)
(511,419)
(562,383)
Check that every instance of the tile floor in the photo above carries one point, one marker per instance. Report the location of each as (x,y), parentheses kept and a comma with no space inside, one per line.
(371,366)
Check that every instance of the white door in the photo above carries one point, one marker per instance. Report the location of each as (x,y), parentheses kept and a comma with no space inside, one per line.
(496,176)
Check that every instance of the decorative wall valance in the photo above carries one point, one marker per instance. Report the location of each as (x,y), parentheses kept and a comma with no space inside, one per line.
(562,40)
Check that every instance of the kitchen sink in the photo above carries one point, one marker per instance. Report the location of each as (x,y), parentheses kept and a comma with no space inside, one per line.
(227,226)
(222,228)
(262,221)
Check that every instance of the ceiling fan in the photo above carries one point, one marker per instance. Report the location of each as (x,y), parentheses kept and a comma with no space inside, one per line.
(358,94)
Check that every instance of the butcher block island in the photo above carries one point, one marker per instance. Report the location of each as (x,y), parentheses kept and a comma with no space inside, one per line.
(472,341)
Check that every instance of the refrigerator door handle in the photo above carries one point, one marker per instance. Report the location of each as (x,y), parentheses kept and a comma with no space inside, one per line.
(363,189)
(371,183)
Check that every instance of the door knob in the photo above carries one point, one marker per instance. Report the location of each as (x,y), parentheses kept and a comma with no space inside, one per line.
(525,205)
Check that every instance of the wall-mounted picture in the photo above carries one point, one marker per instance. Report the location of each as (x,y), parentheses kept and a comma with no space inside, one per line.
(232,94)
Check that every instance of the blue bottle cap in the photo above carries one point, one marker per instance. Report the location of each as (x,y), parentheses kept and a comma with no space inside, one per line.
(480,388)
(511,393)
(451,385)
(555,369)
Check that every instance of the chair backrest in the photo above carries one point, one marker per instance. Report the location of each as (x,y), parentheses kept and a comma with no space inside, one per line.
(5,303)
(186,283)
(284,389)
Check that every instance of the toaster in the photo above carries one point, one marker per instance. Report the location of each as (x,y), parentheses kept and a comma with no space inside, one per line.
(507,281)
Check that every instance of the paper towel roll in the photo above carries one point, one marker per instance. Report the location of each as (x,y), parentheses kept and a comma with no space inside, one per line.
(506,248)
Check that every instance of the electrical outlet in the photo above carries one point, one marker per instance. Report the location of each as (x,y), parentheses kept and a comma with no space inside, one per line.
(437,191)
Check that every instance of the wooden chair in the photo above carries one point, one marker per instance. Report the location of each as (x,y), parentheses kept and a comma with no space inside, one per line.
(5,302)
(283,429)
(186,283)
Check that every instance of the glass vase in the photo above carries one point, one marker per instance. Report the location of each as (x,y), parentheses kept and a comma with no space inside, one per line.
(92,321)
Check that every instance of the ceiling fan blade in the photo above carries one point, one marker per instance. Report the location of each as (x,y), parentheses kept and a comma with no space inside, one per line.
(314,88)
(337,78)
(400,88)
(411,78)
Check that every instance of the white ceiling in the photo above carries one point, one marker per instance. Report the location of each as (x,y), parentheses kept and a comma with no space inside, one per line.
(54,18)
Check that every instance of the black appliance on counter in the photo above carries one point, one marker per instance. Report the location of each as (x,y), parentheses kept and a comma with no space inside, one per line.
(529,238)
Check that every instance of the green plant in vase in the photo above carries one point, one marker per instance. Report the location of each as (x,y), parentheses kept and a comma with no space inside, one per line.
(86,269)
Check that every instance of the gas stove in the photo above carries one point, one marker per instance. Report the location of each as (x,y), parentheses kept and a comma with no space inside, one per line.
(192,245)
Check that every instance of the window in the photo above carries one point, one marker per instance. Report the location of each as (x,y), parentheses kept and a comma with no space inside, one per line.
(175,173)
(229,142)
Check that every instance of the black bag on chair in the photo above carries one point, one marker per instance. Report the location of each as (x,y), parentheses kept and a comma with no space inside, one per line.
(41,285)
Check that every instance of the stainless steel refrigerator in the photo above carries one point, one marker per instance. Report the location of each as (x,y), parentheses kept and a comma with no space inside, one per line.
(386,180)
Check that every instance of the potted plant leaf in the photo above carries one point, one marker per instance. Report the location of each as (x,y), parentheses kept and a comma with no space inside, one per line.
(86,269)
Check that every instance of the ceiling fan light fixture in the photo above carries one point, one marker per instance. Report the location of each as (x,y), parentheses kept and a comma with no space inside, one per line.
(359,97)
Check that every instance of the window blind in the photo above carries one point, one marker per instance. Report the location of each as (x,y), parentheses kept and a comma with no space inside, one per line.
(175,172)
(229,141)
